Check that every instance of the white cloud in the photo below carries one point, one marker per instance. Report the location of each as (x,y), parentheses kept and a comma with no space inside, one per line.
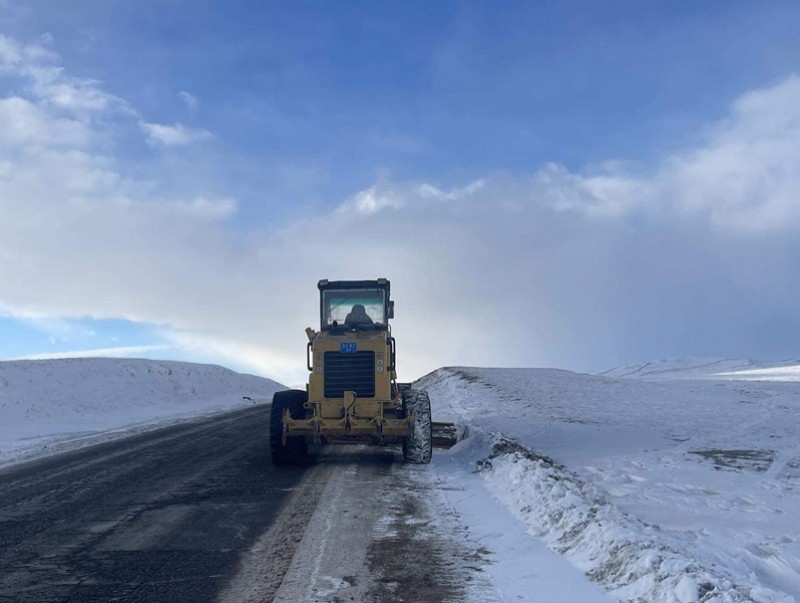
(745,176)
(55,328)
(175,135)
(213,209)
(427,190)
(120,352)
(22,124)
(557,267)
(190,100)
(259,356)
(49,84)
(81,100)
(371,200)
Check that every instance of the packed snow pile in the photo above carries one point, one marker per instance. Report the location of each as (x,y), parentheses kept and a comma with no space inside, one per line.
(661,491)
(49,405)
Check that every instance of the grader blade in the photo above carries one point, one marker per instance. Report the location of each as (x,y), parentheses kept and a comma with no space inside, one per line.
(447,435)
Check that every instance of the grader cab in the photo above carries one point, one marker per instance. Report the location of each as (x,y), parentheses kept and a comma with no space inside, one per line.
(352,396)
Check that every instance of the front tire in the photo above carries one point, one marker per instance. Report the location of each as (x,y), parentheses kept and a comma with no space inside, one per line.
(418,445)
(296,448)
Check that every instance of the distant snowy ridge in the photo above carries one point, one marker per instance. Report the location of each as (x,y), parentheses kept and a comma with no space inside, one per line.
(680,368)
(48,405)
(708,368)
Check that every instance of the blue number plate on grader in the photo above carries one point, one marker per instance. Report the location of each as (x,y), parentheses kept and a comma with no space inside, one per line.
(348,348)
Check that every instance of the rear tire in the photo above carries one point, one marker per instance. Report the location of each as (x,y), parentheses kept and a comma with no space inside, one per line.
(296,448)
(418,445)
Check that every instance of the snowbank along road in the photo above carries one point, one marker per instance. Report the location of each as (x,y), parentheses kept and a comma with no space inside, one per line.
(679,484)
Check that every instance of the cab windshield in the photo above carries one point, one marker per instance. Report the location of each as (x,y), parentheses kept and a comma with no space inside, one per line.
(356,308)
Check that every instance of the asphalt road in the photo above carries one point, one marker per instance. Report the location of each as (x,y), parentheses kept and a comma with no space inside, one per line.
(161,516)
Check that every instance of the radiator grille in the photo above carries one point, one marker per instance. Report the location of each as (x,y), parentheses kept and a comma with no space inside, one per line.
(349,372)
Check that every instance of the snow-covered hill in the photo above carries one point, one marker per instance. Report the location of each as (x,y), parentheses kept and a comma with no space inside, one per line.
(660,490)
(708,368)
(50,405)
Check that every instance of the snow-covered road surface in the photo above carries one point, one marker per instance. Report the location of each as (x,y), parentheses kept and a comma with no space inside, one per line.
(383,531)
(375,537)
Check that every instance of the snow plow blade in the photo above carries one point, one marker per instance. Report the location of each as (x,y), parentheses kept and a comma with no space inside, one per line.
(447,435)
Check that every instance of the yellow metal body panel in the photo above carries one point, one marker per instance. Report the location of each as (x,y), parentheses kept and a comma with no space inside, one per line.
(374,419)
(367,341)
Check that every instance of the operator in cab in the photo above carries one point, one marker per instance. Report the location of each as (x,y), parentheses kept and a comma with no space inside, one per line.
(358,315)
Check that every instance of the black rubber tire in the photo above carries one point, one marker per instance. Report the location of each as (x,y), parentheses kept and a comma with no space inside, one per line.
(296,448)
(418,446)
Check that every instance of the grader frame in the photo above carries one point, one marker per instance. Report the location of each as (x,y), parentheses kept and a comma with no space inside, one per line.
(352,395)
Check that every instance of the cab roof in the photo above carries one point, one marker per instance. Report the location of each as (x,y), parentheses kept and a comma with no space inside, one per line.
(380,283)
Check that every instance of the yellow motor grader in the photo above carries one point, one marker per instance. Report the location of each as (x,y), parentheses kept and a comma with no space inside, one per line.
(352,395)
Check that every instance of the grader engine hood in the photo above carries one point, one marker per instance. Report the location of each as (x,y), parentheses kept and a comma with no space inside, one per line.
(361,362)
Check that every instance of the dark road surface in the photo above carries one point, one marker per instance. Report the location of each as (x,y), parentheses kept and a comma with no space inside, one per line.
(162,516)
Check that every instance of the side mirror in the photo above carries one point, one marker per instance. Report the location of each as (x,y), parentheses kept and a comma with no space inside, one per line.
(391,309)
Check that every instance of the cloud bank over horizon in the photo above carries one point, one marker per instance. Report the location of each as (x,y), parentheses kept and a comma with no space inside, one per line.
(694,254)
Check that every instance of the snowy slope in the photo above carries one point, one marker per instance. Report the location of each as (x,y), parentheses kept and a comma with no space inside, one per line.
(663,491)
(708,368)
(680,368)
(50,405)
(784,372)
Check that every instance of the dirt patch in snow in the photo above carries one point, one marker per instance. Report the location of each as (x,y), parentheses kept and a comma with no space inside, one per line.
(412,560)
(738,460)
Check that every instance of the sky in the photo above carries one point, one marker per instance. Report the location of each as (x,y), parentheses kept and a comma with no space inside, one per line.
(564,184)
